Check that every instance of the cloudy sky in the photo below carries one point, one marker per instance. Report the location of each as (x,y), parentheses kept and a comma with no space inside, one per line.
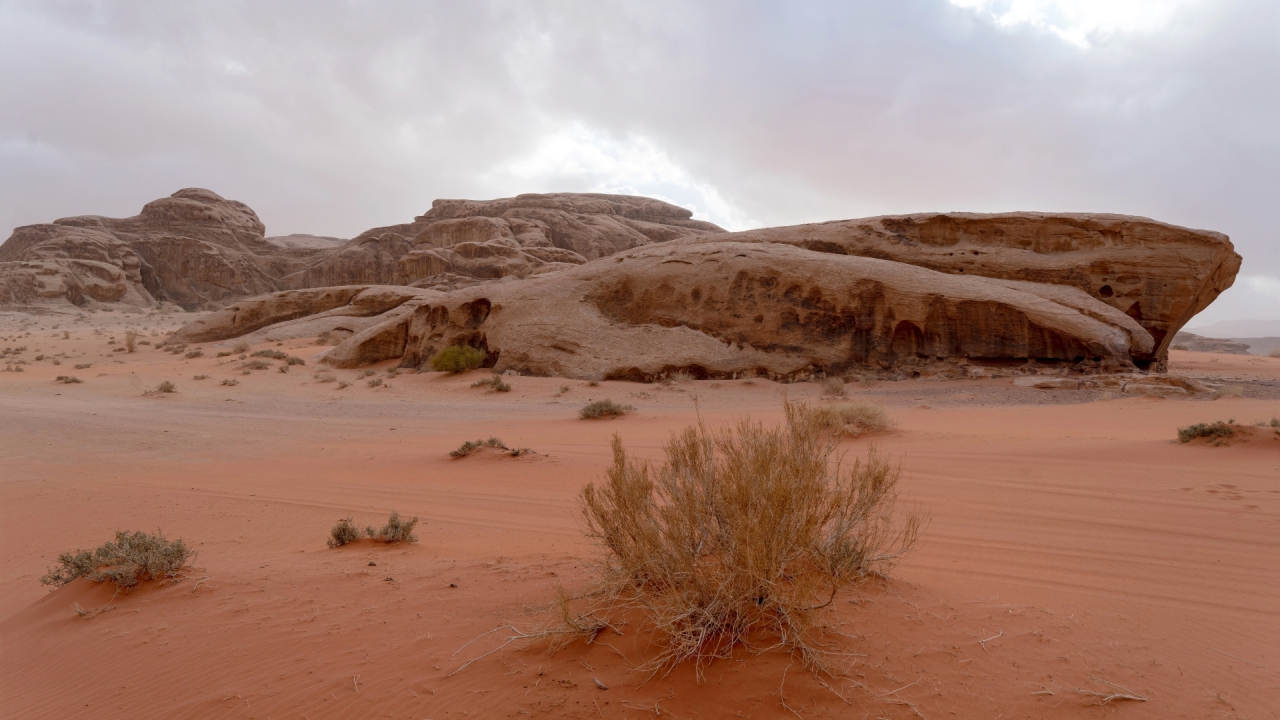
(333,117)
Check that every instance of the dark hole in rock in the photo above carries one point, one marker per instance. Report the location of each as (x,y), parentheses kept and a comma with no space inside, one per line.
(1106,291)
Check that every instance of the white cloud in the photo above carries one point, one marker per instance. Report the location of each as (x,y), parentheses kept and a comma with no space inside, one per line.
(592,161)
(1079,21)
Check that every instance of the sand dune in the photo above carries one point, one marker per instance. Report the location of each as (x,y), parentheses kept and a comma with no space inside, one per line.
(1072,543)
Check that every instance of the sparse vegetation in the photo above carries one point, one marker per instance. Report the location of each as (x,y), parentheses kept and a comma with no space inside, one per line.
(741,537)
(495,384)
(192,354)
(1212,430)
(68,379)
(166,387)
(343,532)
(850,418)
(677,377)
(130,558)
(832,385)
(603,409)
(240,347)
(199,377)
(83,366)
(256,365)
(324,376)
(376,382)
(396,530)
(471,446)
(230,382)
(130,340)
(593,383)
(343,385)
(457,358)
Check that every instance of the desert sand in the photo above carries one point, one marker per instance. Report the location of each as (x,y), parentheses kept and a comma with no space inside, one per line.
(1072,545)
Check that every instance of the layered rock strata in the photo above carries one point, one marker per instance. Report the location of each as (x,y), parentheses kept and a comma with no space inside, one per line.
(712,309)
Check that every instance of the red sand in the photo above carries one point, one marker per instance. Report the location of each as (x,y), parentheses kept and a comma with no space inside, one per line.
(1080,541)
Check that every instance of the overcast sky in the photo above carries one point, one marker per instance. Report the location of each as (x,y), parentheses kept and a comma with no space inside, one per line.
(333,117)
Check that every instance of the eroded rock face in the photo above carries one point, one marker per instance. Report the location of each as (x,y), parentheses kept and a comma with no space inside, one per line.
(193,248)
(462,242)
(725,309)
(1158,274)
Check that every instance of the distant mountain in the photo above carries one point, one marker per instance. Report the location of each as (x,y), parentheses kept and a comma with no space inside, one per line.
(1238,329)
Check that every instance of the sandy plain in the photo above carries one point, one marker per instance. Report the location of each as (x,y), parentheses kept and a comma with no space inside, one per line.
(1073,545)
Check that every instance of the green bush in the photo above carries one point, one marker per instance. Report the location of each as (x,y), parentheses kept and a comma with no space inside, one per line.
(130,558)
(457,358)
(1205,430)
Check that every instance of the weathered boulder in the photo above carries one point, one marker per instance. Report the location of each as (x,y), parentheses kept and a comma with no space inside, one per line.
(1160,275)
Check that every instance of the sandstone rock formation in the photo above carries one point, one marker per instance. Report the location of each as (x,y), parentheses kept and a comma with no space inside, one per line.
(460,241)
(191,249)
(199,250)
(1160,275)
(712,309)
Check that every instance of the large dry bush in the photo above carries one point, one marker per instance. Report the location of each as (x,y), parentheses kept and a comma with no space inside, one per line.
(742,537)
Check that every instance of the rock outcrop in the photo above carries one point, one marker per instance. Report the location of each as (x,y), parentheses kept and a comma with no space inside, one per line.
(1160,275)
(462,242)
(200,251)
(192,249)
(714,310)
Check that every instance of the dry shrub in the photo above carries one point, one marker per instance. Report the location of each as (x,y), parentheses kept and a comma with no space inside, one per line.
(130,340)
(83,366)
(229,382)
(471,446)
(832,386)
(1212,430)
(495,384)
(741,538)
(343,532)
(457,358)
(603,409)
(677,377)
(376,382)
(68,379)
(192,354)
(166,387)
(240,347)
(127,560)
(324,376)
(396,530)
(850,418)
(273,354)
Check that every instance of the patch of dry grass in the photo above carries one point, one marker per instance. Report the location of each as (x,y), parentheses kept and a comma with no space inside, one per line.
(741,538)
(597,409)
(851,418)
(495,384)
(832,385)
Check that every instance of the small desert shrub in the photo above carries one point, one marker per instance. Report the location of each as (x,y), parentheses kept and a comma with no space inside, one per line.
(325,376)
(832,385)
(68,379)
(273,354)
(593,383)
(224,353)
(850,418)
(230,382)
(199,377)
(256,365)
(741,537)
(603,409)
(1275,422)
(394,372)
(240,347)
(1206,430)
(131,557)
(192,354)
(677,377)
(343,385)
(376,382)
(130,340)
(471,446)
(343,532)
(283,369)
(166,387)
(396,530)
(83,366)
(368,373)
(457,358)
(495,384)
